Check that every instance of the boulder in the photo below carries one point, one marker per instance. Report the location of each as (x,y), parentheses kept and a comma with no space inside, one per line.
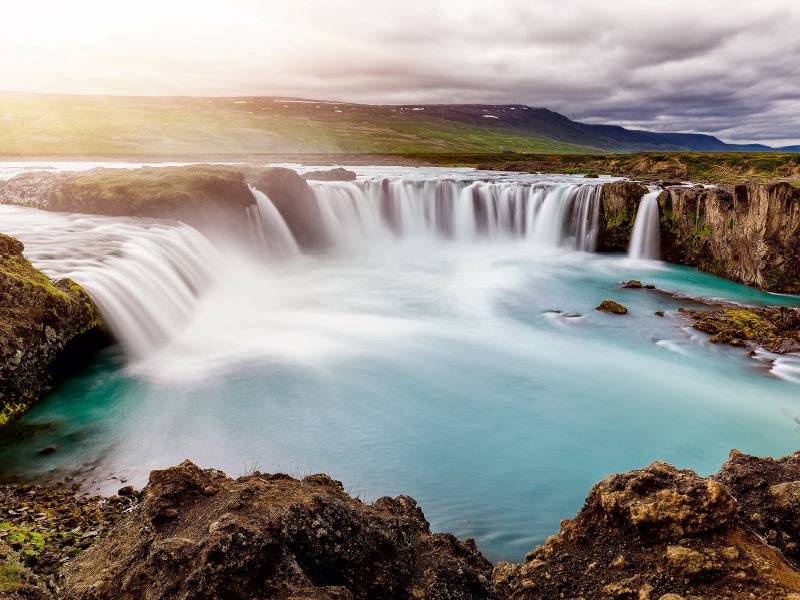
(656,533)
(612,307)
(295,201)
(199,534)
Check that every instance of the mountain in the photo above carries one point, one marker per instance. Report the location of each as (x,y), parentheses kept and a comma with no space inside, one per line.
(40,124)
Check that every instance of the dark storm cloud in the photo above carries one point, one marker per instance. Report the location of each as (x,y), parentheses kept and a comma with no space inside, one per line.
(726,68)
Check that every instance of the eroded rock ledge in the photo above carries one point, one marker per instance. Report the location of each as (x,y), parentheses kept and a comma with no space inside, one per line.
(200,534)
(666,534)
(38,319)
(658,533)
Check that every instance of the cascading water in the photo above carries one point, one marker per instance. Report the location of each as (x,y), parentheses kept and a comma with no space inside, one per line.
(645,241)
(269,229)
(547,214)
(145,276)
(480,372)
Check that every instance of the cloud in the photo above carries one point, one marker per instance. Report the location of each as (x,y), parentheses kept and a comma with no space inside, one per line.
(709,66)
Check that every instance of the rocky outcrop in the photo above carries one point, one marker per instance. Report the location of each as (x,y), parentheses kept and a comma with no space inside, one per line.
(210,198)
(295,201)
(750,234)
(336,174)
(776,329)
(38,320)
(617,213)
(199,534)
(666,534)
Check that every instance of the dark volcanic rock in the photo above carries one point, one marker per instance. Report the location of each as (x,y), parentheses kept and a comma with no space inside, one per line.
(38,320)
(295,201)
(199,534)
(660,534)
(617,213)
(337,174)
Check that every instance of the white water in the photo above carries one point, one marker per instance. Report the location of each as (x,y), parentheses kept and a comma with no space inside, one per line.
(646,237)
(452,353)
(544,213)
(270,231)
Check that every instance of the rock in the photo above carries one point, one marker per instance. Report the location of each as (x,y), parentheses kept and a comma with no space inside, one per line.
(209,197)
(295,201)
(127,491)
(336,174)
(660,533)
(610,306)
(42,324)
(776,329)
(635,284)
(617,212)
(659,313)
(749,234)
(286,539)
(48,450)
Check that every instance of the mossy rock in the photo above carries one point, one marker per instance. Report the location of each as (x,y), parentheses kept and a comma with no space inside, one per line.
(38,318)
(612,307)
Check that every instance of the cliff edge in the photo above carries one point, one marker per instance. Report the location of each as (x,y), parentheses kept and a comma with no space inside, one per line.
(38,321)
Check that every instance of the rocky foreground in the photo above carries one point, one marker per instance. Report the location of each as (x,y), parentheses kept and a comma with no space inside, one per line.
(657,533)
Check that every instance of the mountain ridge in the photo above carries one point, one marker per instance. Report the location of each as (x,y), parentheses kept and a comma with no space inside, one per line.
(129,125)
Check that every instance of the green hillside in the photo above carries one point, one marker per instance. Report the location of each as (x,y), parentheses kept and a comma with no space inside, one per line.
(34,124)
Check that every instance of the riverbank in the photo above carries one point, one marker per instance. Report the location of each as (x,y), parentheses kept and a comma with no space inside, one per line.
(657,533)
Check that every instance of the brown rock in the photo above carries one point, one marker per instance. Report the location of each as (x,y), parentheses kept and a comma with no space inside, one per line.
(288,539)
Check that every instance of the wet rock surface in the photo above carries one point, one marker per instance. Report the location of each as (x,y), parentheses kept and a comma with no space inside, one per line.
(661,533)
(199,534)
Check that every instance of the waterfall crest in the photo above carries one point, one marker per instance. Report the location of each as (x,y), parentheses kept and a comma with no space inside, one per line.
(270,231)
(144,275)
(645,241)
(547,214)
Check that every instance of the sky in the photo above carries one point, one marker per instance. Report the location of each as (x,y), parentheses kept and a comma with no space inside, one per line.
(730,69)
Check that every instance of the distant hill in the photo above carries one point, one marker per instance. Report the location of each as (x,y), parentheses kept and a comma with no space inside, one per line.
(101,125)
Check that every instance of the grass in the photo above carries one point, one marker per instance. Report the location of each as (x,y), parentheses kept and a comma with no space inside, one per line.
(53,125)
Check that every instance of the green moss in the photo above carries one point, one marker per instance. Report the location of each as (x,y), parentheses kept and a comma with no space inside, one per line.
(610,306)
(32,542)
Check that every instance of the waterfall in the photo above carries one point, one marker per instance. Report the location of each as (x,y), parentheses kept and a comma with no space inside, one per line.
(269,229)
(547,214)
(144,275)
(646,237)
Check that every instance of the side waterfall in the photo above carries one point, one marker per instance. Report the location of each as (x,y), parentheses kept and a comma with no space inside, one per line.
(269,229)
(547,214)
(646,237)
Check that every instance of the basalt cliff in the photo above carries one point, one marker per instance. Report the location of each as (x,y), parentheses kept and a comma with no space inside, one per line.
(749,233)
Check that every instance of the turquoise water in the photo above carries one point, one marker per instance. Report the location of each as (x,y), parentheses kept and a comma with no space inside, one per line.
(438,370)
